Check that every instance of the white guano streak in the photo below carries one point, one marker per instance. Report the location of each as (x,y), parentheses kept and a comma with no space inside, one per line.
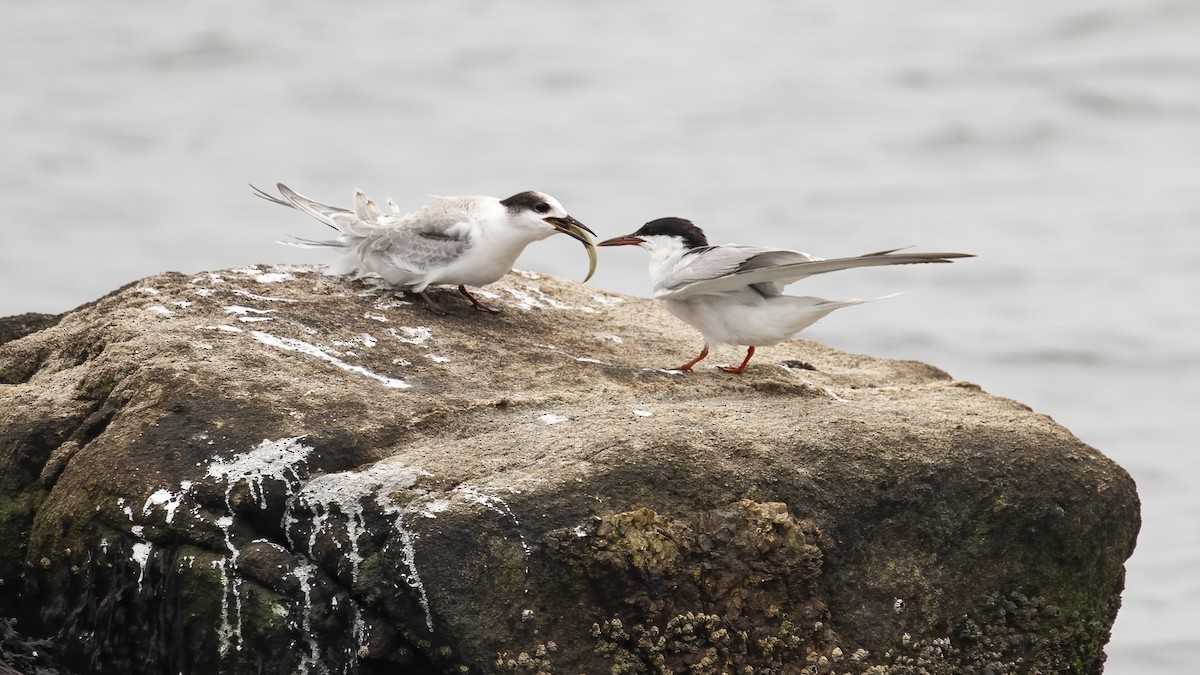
(294,345)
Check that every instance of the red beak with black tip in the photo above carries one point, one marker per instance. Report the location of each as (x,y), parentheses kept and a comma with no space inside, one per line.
(626,240)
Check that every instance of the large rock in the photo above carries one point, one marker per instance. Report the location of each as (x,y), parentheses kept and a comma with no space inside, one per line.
(13,327)
(271,470)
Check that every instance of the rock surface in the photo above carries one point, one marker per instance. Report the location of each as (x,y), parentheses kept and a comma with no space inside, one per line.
(13,327)
(271,470)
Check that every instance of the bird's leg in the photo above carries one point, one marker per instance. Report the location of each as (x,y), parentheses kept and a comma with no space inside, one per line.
(687,367)
(741,368)
(478,305)
(433,306)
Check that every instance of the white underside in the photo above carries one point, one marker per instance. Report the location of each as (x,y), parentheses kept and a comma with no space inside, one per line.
(491,254)
(747,318)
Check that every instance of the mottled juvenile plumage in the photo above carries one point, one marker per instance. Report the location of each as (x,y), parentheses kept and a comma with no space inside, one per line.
(462,241)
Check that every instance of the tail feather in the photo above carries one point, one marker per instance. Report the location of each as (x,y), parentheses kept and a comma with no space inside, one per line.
(259,192)
(336,217)
(343,220)
(313,243)
(804,311)
(365,209)
(352,226)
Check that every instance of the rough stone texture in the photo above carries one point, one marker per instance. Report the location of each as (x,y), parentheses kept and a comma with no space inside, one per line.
(271,470)
(13,327)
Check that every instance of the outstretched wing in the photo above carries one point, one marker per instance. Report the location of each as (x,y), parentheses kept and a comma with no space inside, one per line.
(771,275)
(707,263)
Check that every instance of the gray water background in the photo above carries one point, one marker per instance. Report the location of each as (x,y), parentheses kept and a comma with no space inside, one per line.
(1060,141)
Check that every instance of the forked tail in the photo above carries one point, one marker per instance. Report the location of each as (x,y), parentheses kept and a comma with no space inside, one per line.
(352,225)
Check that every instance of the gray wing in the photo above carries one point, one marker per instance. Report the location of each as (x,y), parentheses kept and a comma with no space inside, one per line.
(776,276)
(709,263)
(423,240)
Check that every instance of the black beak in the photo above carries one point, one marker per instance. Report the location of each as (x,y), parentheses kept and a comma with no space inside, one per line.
(571,227)
(577,230)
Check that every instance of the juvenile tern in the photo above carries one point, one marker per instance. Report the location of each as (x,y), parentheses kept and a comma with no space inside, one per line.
(460,241)
(733,294)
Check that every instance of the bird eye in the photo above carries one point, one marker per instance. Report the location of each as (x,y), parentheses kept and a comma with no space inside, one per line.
(542,207)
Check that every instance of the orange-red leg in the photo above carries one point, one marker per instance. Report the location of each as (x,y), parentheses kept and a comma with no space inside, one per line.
(687,367)
(478,305)
(429,303)
(741,368)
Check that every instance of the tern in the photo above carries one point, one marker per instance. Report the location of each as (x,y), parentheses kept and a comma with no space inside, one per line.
(458,241)
(733,294)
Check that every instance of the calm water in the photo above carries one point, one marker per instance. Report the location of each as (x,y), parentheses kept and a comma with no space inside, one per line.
(1059,141)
